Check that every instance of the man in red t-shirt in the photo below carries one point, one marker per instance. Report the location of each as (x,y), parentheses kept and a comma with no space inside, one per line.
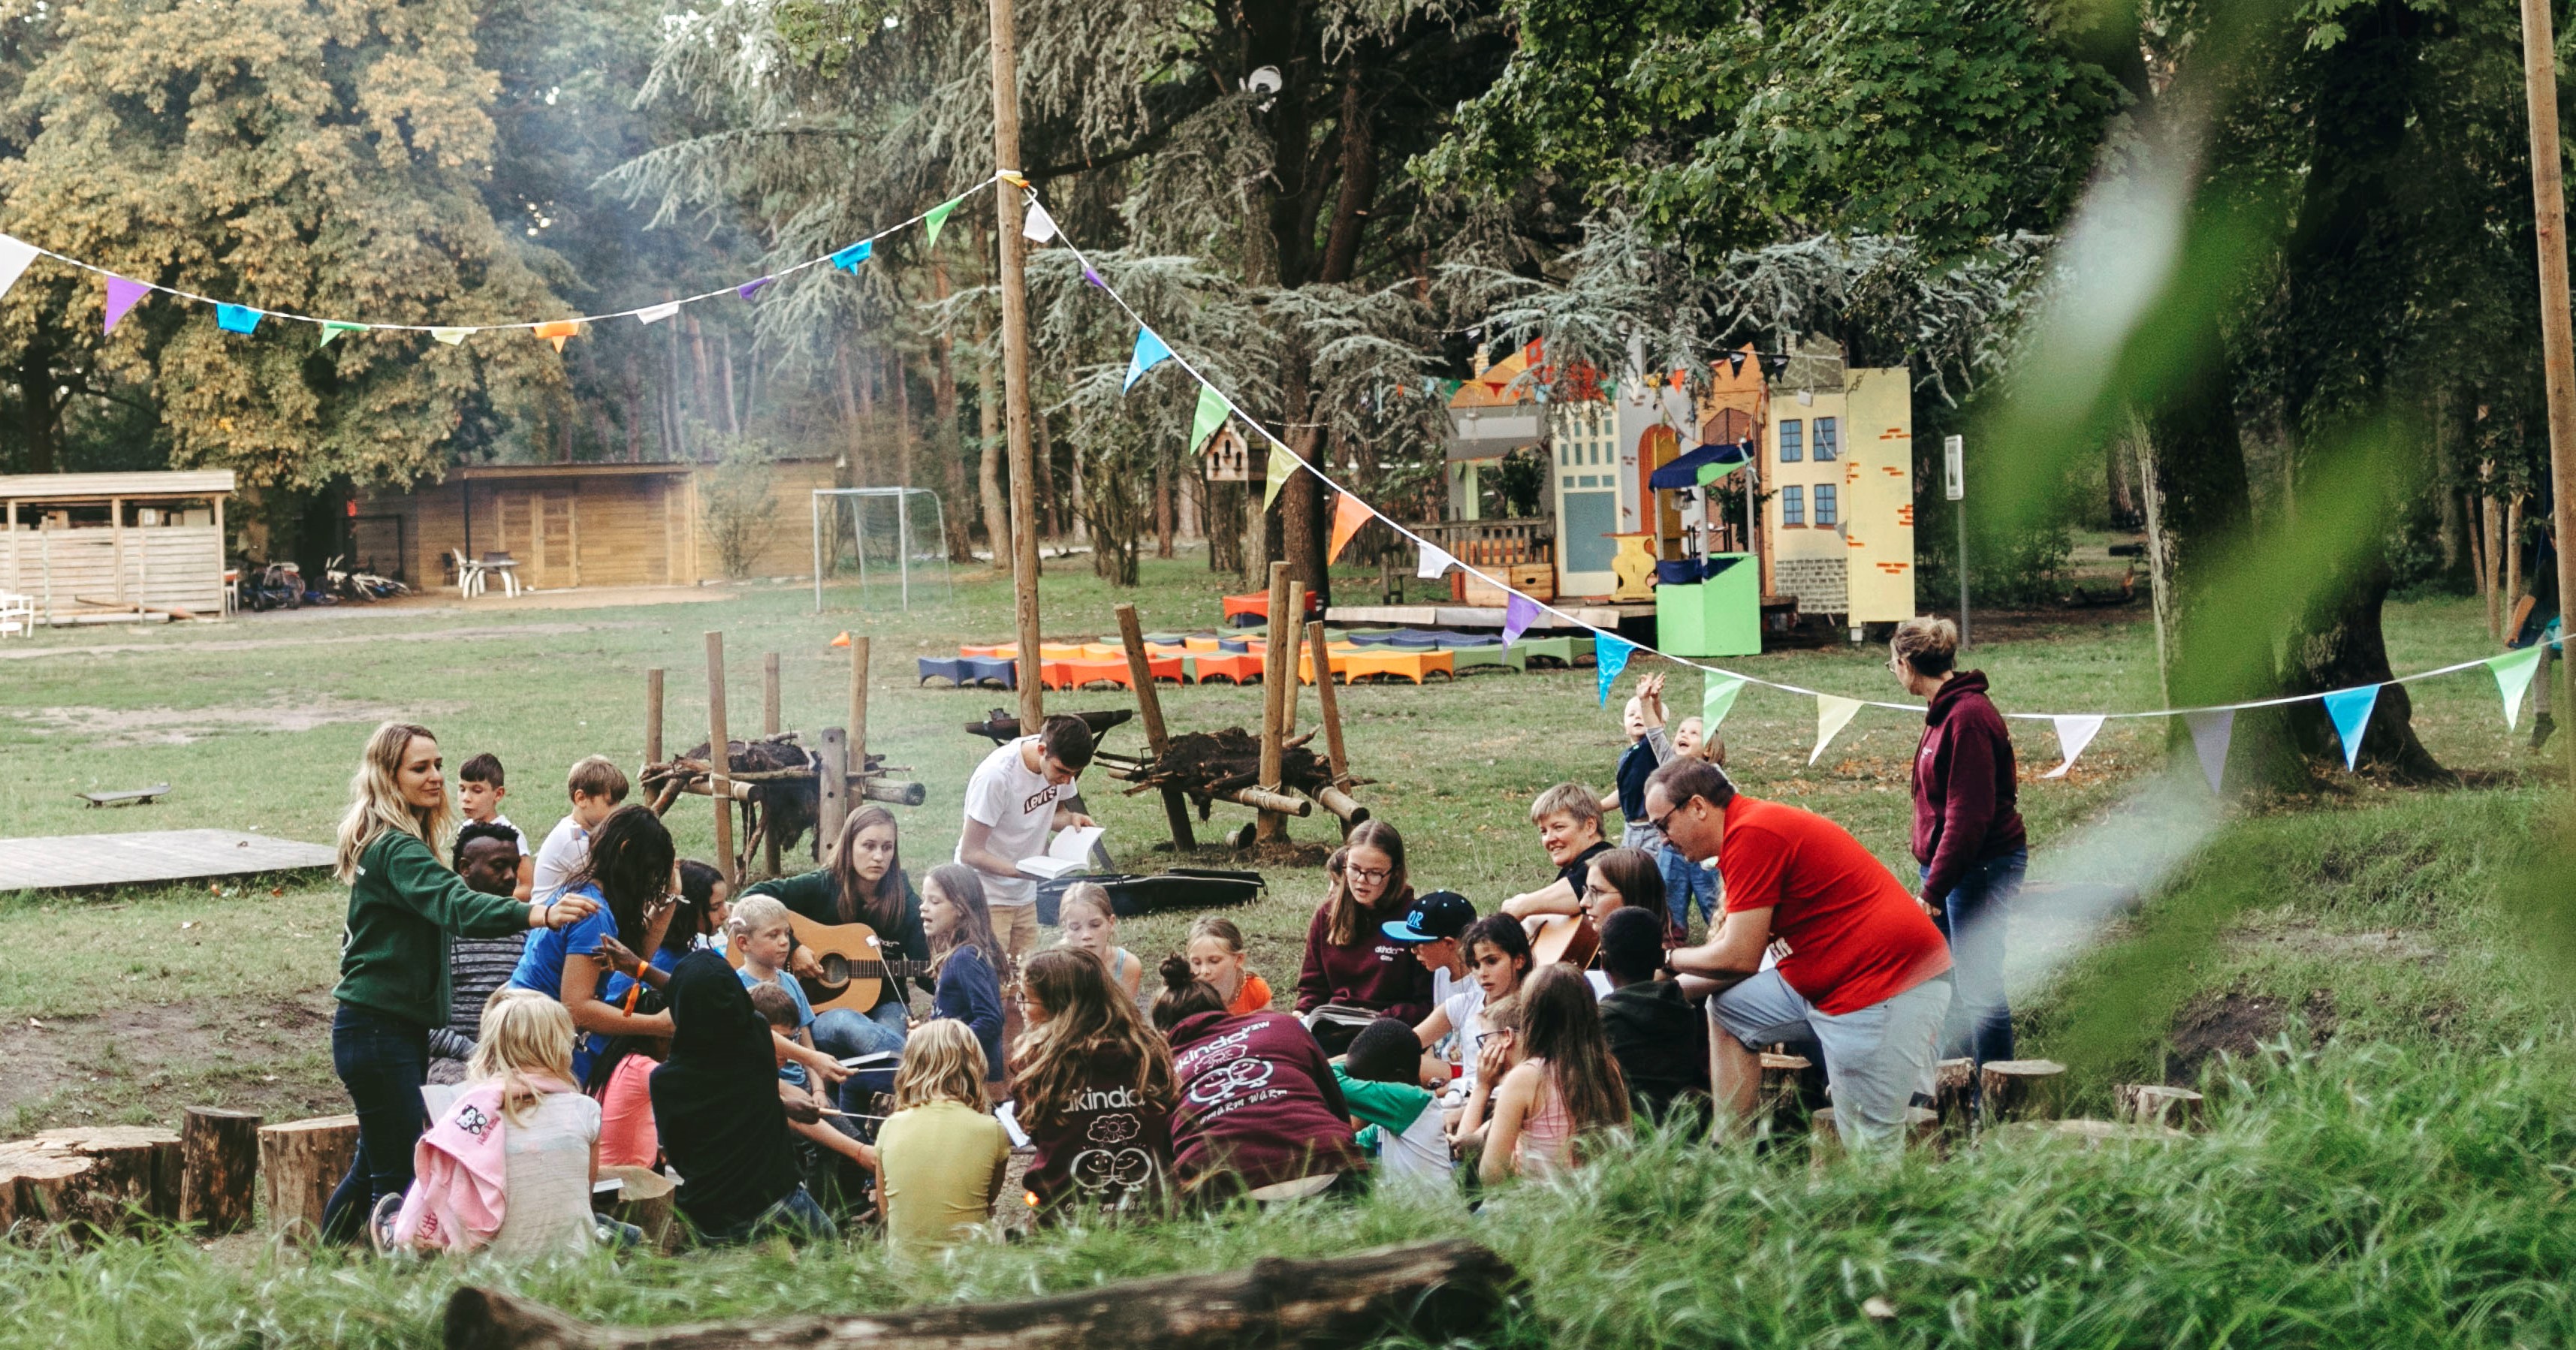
(1861,971)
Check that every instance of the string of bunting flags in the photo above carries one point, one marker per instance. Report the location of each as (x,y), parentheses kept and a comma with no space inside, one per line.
(2211,727)
(124,293)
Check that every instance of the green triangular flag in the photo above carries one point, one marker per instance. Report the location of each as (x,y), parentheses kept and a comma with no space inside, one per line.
(938,216)
(1710,473)
(1209,417)
(1283,466)
(2513,672)
(332,328)
(1718,701)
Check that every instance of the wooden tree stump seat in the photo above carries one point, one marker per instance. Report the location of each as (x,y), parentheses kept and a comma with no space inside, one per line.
(2019,1089)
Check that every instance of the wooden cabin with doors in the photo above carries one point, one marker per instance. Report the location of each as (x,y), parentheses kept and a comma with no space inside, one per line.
(94,547)
(565,525)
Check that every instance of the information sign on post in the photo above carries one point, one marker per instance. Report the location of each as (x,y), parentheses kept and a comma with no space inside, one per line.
(1954,485)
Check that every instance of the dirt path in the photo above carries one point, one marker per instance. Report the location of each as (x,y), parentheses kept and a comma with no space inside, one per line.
(474,634)
(159,1059)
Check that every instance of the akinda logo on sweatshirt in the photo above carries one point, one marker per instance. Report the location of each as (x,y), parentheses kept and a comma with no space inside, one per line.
(1114,1099)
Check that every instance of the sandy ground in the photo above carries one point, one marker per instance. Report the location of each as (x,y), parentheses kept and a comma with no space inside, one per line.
(176,726)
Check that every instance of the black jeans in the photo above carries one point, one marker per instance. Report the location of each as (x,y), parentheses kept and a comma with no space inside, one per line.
(383,1060)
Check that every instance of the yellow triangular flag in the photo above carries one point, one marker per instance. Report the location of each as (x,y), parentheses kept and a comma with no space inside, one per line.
(453,337)
(1832,715)
(1283,466)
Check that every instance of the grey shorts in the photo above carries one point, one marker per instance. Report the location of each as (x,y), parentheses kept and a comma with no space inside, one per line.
(1876,1058)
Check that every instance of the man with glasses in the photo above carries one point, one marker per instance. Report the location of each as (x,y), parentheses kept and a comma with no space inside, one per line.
(1862,972)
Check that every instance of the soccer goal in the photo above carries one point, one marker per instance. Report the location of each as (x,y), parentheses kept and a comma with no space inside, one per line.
(895,539)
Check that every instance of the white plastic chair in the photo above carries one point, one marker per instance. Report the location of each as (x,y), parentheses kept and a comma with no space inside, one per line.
(469,574)
(17,614)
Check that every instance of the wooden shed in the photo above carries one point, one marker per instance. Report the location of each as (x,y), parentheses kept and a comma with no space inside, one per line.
(566,525)
(90,544)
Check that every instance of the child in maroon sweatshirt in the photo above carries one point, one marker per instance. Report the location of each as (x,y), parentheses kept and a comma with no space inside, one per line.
(1093,1089)
(1258,1101)
(1349,958)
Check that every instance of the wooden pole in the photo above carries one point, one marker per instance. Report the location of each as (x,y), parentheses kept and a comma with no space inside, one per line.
(859,658)
(720,760)
(653,715)
(769,716)
(218,1168)
(1328,704)
(1288,687)
(832,797)
(1278,667)
(1149,705)
(1015,359)
(2557,346)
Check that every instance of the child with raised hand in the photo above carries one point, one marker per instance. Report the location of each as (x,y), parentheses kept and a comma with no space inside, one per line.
(1217,956)
(1091,925)
(1403,1128)
(1564,1085)
(958,924)
(1092,1088)
(942,1154)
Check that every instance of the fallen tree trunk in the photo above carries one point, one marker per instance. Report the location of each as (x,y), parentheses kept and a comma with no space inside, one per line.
(1436,1291)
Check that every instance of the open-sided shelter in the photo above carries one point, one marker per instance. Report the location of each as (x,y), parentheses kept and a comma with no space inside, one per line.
(98,543)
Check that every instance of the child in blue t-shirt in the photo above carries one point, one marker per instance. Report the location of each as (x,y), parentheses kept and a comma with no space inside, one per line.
(764,935)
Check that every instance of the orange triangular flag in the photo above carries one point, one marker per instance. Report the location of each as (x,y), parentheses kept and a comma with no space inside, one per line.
(842,641)
(1349,514)
(557,331)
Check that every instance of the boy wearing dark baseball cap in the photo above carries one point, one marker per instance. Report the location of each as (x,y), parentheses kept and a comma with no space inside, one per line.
(1432,930)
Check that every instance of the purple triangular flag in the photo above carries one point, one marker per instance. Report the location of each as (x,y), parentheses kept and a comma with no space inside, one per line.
(749,289)
(123,295)
(1094,278)
(1518,614)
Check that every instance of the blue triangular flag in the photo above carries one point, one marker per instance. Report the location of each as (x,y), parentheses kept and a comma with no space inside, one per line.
(848,259)
(237,318)
(1612,655)
(1150,352)
(2350,709)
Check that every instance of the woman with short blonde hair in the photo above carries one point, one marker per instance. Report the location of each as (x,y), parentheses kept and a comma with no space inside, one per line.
(404,905)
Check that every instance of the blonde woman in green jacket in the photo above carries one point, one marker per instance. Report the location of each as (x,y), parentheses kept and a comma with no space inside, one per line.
(404,906)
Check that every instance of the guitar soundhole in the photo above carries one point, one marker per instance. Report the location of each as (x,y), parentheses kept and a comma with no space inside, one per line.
(836,970)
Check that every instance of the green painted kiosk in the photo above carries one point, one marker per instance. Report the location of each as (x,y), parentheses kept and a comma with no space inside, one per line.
(1718,615)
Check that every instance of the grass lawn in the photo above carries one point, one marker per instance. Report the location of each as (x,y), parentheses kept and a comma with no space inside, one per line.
(2381,1171)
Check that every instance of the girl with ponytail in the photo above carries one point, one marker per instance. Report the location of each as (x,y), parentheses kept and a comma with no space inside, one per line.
(1259,1111)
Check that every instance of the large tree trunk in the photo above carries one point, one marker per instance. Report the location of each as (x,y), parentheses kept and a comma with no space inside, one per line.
(2340,647)
(853,448)
(988,460)
(40,408)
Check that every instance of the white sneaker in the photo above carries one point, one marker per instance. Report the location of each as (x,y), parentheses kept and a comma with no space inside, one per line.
(380,1224)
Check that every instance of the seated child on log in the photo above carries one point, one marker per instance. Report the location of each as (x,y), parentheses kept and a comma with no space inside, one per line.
(1400,1125)
(1217,956)
(1659,1038)
(479,790)
(943,1154)
(1092,1087)
(1091,925)
(487,857)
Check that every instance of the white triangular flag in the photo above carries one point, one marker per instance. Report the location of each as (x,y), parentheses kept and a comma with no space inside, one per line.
(1833,713)
(2210,732)
(15,254)
(1435,563)
(657,313)
(1038,225)
(2073,734)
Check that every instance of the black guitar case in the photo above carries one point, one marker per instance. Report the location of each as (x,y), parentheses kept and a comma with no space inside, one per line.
(1179,888)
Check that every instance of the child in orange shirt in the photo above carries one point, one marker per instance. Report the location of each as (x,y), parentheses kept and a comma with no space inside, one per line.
(1216,956)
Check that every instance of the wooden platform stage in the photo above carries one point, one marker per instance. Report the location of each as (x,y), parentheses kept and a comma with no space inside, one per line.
(158,855)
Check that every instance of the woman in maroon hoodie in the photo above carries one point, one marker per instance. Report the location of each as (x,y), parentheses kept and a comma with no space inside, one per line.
(1967,831)
(1349,958)
(1259,1106)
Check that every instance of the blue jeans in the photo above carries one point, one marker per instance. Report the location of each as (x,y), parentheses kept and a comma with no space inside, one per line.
(383,1060)
(1684,882)
(842,1033)
(1972,918)
(796,1218)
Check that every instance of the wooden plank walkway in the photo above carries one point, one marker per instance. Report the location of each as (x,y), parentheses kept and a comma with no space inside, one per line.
(158,855)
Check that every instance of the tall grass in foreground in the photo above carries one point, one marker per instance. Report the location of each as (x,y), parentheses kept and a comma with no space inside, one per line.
(2359,1196)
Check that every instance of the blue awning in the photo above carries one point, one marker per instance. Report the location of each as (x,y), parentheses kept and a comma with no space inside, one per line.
(1684,471)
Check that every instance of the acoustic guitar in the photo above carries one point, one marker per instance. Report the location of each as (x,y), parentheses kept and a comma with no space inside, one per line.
(854,970)
(1569,938)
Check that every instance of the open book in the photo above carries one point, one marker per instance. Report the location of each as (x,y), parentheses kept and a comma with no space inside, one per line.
(1071,852)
